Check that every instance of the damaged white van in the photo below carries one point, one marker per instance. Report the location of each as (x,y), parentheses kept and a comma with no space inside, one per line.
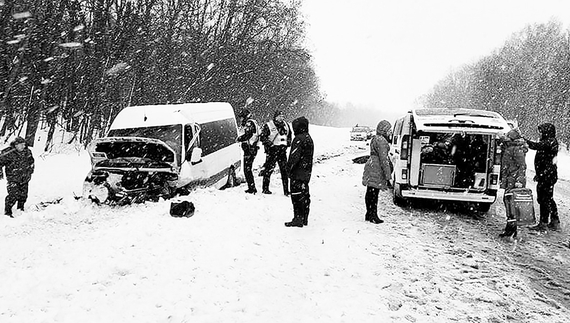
(164,150)
(447,154)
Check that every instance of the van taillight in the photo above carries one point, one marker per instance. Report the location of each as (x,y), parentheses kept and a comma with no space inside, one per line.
(498,155)
(494,179)
(404,148)
(404,174)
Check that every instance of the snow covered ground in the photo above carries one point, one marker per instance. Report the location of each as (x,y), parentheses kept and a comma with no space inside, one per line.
(235,261)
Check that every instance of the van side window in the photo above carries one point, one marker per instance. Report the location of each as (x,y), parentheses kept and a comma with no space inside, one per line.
(217,134)
(187,136)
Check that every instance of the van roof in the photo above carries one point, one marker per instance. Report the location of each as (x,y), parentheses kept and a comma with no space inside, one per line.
(169,114)
(459,119)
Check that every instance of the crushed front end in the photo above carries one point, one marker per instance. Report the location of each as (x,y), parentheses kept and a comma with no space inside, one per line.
(129,170)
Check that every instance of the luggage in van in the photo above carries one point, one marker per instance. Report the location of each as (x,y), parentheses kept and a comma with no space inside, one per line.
(519,204)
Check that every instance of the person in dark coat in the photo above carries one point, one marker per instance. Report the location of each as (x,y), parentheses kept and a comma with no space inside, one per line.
(18,162)
(249,144)
(513,174)
(377,170)
(546,176)
(276,138)
(299,168)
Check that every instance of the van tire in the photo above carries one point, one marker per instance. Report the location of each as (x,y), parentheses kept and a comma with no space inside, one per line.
(397,197)
(232,179)
(483,207)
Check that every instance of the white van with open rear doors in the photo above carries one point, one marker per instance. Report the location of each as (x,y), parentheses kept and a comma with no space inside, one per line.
(447,154)
(163,150)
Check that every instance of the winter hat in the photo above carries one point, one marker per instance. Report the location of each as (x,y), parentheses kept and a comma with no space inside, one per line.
(18,140)
(547,130)
(300,125)
(513,135)
(244,113)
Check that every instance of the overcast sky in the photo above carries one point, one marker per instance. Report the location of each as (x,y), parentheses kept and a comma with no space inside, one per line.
(386,53)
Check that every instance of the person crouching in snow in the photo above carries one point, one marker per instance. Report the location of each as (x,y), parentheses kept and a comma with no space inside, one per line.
(299,169)
(513,174)
(377,170)
(19,164)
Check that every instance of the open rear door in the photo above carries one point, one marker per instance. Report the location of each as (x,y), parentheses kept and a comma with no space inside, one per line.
(415,162)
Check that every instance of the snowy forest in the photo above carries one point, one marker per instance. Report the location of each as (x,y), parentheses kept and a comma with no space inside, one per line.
(76,63)
(527,80)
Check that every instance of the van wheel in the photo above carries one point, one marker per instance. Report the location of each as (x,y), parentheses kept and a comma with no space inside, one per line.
(232,180)
(397,197)
(483,207)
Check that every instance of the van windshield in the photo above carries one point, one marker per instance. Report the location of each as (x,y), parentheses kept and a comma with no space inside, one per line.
(169,134)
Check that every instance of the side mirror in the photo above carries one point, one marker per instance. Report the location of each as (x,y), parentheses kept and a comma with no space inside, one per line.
(196,156)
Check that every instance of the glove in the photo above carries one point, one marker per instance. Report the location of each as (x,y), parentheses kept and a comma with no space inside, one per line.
(535,178)
(518,185)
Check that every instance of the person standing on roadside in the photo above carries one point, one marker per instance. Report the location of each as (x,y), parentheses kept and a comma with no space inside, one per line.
(276,138)
(513,174)
(546,176)
(299,168)
(249,144)
(18,162)
(377,170)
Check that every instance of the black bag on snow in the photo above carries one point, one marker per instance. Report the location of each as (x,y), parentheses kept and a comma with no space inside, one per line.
(179,209)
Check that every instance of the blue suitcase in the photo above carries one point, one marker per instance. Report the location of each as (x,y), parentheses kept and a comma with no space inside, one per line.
(519,204)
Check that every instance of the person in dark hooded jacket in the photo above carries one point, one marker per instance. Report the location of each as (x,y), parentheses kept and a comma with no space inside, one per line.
(299,169)
(18,162)
(276,138)
(377,170)
(513,173)
(546,176)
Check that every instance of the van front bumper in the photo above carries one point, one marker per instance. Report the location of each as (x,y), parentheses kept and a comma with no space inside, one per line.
(460,196)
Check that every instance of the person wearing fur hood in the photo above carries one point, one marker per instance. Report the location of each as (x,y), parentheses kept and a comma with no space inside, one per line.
(18,162)
(377,170)
(513,173)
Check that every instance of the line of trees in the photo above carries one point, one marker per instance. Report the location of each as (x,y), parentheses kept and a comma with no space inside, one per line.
(527,79)
(76,63)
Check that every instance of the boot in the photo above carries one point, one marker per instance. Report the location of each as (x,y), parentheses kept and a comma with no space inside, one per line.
(510,230)
(294,223)
(554,226)
(375,219)
(539,227)
(20,206)
(298,217)
(266,186)
(305,217)
(251,191)
(8,211)
(286,187)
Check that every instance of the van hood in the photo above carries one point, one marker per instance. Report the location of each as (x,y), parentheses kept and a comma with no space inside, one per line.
(132,154)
